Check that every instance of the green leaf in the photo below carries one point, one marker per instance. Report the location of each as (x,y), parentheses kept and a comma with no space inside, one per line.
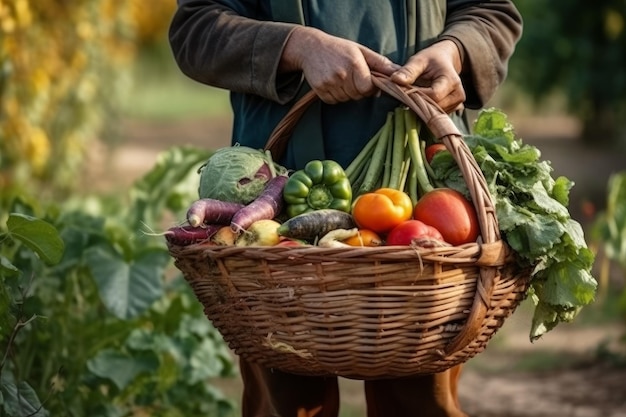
(127,289)
(546,317)
(19,399)
(7,269)
(610,226)
(546,203)
(152,193)
(561,189)
(121,368)
(145,339)
(492,122)
(38,235)
(567,285)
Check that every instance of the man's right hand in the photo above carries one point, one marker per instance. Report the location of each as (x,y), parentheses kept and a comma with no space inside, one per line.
(336,69)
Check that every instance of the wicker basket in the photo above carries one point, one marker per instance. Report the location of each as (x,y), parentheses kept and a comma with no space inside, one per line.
(362,313)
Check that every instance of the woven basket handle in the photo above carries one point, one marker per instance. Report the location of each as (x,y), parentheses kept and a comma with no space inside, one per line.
(440,124)
(277,142)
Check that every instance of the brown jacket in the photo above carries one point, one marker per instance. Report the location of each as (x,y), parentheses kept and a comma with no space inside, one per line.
(214,45)
(237,45)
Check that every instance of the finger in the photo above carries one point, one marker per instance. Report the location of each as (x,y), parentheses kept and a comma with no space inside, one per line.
(450,104)
(325,96)
(334,96)
(452,101)
(447,92)
(342,95)
(361,85)
(358,88)
(377,62)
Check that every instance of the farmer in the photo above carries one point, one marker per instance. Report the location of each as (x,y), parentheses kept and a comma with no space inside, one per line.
(270,52)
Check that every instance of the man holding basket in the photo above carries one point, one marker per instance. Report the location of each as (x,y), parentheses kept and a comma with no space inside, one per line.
(268,53)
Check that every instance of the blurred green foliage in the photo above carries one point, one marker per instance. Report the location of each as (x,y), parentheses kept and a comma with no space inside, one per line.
(93,322)
(576,48)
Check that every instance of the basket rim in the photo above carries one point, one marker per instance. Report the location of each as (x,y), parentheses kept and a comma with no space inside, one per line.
(487,255)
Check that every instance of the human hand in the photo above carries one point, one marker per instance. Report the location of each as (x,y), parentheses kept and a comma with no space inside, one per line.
(437,69)
(336,69)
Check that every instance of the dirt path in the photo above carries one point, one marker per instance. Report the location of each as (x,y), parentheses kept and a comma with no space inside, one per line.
(503,381)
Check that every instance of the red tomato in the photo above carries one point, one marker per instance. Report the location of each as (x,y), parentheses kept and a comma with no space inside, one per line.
(431,150)
(451,213)
(382,209)
(412,230)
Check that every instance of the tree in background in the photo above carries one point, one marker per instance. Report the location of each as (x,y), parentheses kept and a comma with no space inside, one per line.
(577,47)
(65,69)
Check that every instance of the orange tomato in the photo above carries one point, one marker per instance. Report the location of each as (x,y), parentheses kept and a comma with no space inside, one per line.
(365,237)
(381,210)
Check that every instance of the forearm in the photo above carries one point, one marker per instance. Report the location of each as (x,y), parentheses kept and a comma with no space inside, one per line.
(215,46)
(486,34)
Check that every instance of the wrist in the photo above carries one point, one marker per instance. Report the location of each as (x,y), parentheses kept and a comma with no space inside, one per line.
(455,51)
(291,60)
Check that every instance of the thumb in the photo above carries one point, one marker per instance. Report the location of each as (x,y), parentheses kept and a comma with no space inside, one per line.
(379,63)
(409,73)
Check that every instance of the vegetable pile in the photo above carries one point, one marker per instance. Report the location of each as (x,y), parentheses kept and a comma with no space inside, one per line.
(403,189)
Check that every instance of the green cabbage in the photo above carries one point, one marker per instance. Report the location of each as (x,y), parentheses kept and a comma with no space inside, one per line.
(237,174)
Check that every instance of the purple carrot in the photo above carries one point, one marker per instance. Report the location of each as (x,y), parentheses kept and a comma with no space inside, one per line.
(211,211)
(187,235)
(266,206)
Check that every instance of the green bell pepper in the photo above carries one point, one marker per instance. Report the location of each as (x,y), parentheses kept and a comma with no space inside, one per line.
(319,185)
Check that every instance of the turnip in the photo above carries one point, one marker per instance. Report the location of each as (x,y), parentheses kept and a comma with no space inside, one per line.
(260,233)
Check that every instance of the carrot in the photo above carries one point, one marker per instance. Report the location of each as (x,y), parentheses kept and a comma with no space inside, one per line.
(265,207)
(317,223)
(187,235)
(211,211)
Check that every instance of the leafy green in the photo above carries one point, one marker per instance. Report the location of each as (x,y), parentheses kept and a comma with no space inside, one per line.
(610,225)
(533,217)
(39,235)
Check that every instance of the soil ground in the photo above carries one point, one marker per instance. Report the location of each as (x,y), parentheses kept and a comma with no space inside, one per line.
(564,374)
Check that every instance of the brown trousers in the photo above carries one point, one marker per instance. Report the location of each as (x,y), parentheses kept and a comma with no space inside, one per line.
(271,393)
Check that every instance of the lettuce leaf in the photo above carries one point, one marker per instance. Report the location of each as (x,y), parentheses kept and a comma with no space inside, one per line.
(533,216)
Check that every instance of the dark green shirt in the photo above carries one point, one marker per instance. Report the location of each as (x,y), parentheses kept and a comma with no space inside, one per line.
(237,44)
(341,130)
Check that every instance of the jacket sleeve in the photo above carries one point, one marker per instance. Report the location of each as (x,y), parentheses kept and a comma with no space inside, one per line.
(214,44)
(486,33)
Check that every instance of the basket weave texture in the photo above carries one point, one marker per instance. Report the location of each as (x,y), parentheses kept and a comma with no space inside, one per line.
(362,313)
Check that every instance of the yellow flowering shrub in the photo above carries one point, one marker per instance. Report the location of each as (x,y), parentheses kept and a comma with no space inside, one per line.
(151,23)
(63,67)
